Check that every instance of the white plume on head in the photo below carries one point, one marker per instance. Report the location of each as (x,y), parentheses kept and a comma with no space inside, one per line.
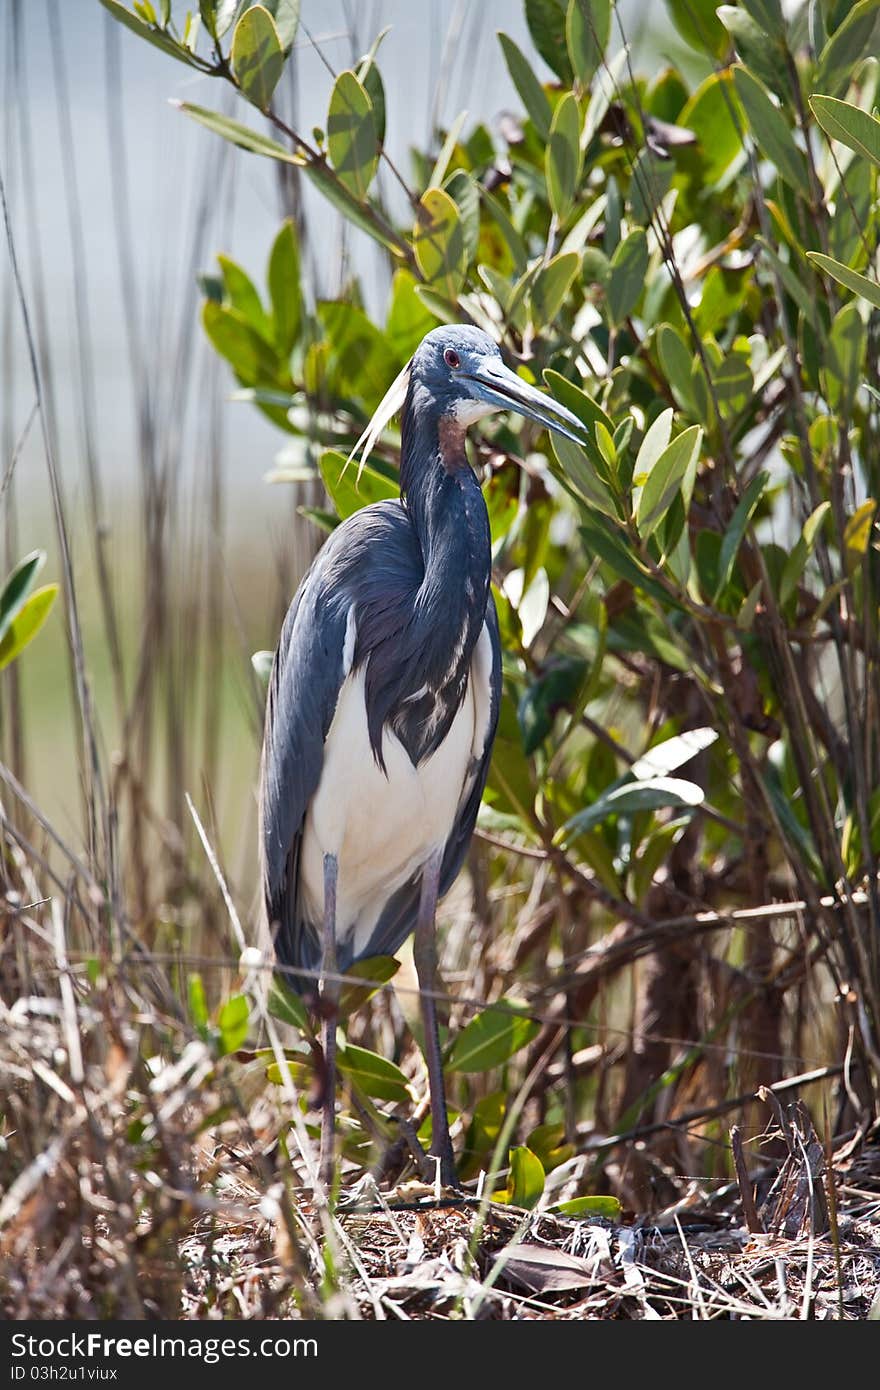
(389,405)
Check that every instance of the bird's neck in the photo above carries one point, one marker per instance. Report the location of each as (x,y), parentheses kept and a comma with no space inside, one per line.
(446,506)
(420,690)
(448,513)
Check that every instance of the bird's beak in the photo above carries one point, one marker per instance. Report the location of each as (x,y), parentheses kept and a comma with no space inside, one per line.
(499,387)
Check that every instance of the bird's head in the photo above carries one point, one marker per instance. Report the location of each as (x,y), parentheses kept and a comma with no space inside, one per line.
(458,373)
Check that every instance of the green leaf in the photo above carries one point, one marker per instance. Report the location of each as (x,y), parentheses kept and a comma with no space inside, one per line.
(764,59)
(745,618)
(562,161)
(699,26)
(285,1004)
(251,357)
(859,284)
(512,239)
(652,794)
(27,623)
(525,1181)
(715,115)
(767,13)
(665,480)
(296,1070)
(361,362)
(370,78)
(578,472)
(352,138)
(607,1207)
(532,94)
(198,1007)
(483,1131)
(547,1142)
(650,182)
(375,971)
(285,13)
(803,295)
(18,586)
(347,492)
(800,554)
(587,31)
(853,40)
(849,124)
(284,287)
(676,363)
(464,191)
(408,318)
(156,37)
(672,753)
(546,21)
(745,510)
(233,1023)
(236,133)
(242,294)
(490,1039)
(257,56)
(554,690)
(374,1075)
(629,265)
(722,297)
(217,15)
(656,439)
(438,243)
(734,384)
(773,138)
(614,549)
(845,357)
(551,285)
(578,402)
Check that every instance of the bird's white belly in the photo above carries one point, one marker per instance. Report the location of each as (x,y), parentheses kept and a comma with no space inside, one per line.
(383,826)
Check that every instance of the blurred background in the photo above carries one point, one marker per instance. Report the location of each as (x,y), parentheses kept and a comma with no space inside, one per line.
(117,204)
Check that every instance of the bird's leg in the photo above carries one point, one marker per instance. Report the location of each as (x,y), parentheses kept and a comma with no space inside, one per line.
(425,954)
(329,1002)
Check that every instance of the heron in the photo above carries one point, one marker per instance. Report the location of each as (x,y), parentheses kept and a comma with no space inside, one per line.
(383,703)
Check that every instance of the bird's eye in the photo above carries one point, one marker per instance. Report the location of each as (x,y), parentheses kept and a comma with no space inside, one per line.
(451,358)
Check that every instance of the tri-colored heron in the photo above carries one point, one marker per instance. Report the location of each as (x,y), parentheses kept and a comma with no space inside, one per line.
(383,703)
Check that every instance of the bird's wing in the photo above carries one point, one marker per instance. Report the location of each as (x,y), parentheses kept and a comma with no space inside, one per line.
(307,675)
(311,664)
(399,916)
(459,840)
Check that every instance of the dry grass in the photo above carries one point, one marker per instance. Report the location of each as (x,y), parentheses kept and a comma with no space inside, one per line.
(143,1177)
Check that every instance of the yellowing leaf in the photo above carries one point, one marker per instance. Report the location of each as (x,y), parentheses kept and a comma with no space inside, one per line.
(857,532)
(27,623)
